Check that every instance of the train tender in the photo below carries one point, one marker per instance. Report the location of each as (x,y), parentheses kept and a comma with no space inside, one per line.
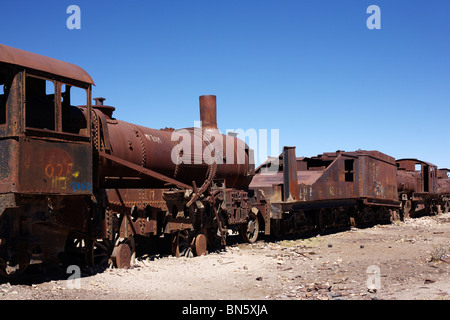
(332,190)
(79,187)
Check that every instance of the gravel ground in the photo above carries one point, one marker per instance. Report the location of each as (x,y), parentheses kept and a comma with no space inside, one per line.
(401,261)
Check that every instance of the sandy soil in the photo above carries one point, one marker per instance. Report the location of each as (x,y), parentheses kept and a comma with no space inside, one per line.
(406,260)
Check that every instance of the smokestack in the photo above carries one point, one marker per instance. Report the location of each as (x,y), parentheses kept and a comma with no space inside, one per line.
(291,191)
(208,111)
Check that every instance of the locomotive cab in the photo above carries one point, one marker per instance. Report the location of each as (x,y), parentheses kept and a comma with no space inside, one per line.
(46,157)
(417,186)
(426,181)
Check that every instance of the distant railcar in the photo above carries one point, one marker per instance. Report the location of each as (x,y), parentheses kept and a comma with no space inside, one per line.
(423,189)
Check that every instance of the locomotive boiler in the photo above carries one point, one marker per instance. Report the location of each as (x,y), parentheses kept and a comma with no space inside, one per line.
(169,156)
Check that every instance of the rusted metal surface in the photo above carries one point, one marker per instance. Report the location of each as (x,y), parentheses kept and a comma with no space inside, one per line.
(58,159)
(46,184)
(424,190)
(427,182)
(143,157)
(237,203)
(132,145)
(208,111)
(143,170)
(76,181)
(443,190)
(132,156)
(409,182)
(123,256)
(443,173)
(443,181)
(107,110)
(45,64)
(290,180)
(334,190)
(142,208)
(342,175)
(57,167)
(200,245)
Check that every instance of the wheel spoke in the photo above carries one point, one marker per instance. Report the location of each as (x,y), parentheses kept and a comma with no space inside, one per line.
(182,244)
(101,246)
(250,231)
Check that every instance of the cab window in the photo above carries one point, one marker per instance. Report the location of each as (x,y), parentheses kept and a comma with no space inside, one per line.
(40,103)
(4,90)
(52,106)
(73,120)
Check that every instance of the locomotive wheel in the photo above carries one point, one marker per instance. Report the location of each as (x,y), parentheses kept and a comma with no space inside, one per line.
(99,255)
(74,252)
(383,215)
(123,256)
(123,253)
(395,215)
(407,209)
(352,212)
(361,217)
(322,220)
(200,245)
(182,244)
(214,239)
(250,231)
(94,254)
(446,207)
(8,272)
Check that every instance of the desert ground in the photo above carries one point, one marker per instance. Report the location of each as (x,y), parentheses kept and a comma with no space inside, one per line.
(408,260)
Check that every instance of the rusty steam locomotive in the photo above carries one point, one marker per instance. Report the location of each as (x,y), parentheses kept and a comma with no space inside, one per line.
(78,186)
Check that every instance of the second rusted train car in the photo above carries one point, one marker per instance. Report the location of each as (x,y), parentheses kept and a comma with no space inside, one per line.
(331,190)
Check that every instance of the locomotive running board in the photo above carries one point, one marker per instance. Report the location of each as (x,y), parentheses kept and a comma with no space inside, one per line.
(143,170)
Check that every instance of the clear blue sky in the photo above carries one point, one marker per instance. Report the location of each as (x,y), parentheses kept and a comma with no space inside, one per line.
(311,69)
